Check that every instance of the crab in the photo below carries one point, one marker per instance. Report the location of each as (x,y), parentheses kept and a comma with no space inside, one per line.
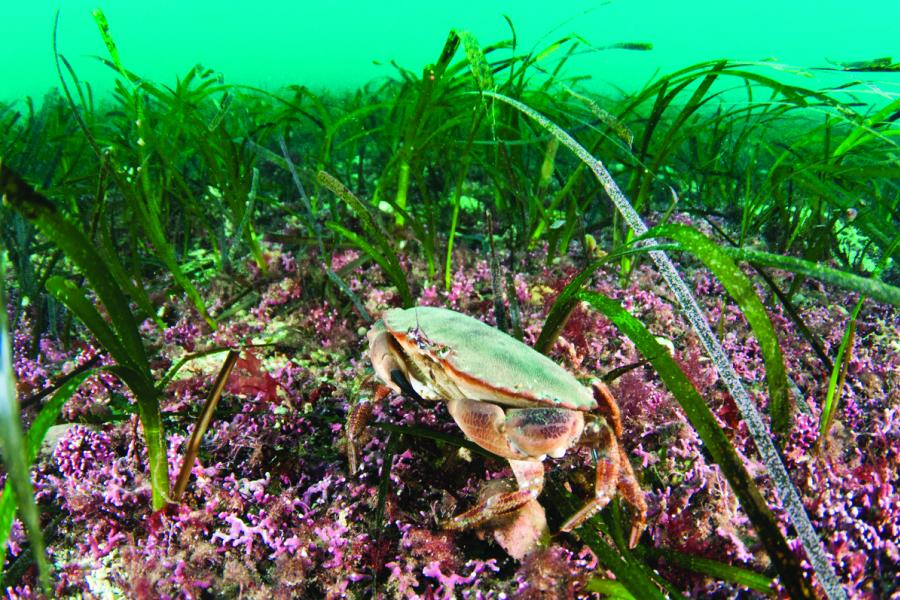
(510,400)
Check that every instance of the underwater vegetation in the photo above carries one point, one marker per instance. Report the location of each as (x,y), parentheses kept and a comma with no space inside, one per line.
(188,406)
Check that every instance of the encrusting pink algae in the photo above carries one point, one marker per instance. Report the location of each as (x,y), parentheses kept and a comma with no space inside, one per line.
(272,510)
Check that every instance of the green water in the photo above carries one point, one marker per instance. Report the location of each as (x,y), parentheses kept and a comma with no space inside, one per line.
(337,45)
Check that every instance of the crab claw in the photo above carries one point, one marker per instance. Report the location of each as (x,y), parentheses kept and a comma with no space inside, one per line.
(517,520)
(520,532)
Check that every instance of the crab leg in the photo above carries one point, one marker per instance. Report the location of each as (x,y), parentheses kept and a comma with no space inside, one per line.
(633,494)
(530,477)
(607,478)
(357,419)
(614,472)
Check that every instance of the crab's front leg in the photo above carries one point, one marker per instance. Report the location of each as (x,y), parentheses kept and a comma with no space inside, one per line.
(602,441)
(614,473)
(390,371)
(358,418)
(485,424)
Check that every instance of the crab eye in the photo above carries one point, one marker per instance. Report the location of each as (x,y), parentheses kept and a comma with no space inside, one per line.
(415,334)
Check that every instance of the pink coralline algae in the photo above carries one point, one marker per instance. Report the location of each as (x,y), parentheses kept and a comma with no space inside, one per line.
(272,511)
(183,334)
(81,450)
(327,325)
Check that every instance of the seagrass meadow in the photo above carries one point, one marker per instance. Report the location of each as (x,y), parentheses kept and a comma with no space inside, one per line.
(209,386)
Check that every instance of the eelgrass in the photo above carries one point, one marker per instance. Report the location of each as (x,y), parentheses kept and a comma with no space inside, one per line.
(145,194)
(205,147)
(202,424)
(18,451)
(122,339)
(379,249)
(740,288)
(714,440)
(845,351)
(788,566)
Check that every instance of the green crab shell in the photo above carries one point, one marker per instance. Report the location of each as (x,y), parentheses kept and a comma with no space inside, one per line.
(484,361)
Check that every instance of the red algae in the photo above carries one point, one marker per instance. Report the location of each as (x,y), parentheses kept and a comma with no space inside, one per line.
(272,510)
